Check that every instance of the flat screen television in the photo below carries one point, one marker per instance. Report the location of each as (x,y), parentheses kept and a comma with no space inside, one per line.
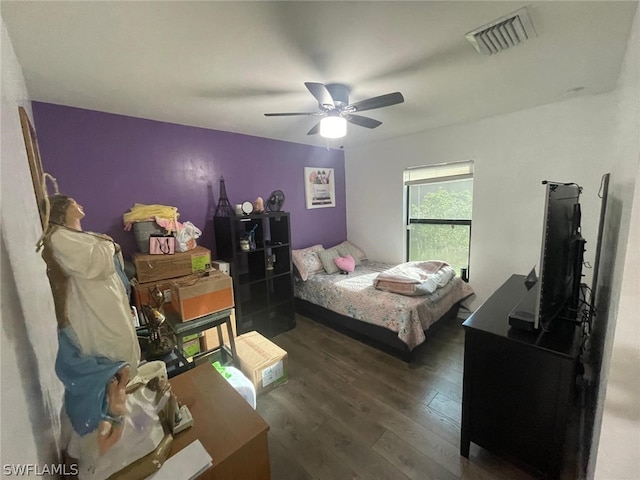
(561,255)
(556,292)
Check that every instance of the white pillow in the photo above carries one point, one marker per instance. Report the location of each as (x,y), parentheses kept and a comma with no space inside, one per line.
(347,248)
(307,261)
(327,257)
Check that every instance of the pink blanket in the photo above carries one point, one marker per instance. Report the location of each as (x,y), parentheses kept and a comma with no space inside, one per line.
(415,278)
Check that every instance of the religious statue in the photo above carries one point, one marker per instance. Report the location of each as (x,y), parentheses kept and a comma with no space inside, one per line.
(113,417)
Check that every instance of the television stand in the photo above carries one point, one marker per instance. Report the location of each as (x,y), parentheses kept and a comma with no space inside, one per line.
(519,386)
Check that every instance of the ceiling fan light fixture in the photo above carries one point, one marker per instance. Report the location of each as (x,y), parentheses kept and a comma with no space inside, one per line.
(333,127)
(336,111)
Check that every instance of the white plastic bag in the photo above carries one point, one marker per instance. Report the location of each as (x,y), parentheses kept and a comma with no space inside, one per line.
(238,381)
(186,237)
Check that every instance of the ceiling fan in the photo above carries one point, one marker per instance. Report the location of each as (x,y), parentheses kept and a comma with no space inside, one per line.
(334,107)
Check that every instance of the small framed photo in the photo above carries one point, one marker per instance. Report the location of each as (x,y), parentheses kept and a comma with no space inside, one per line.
(319,187)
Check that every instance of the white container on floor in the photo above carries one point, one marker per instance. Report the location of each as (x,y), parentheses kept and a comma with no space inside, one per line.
(242,384)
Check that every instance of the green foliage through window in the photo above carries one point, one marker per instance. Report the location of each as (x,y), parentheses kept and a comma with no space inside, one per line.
(440,222)
(443,204)
(440,242)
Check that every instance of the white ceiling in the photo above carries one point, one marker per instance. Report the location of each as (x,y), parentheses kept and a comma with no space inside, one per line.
(222,65)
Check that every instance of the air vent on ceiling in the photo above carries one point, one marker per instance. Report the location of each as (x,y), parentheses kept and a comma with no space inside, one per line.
(503,33)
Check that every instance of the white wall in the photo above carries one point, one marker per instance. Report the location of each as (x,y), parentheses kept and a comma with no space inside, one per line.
(31,395)
(568,141)
(618,404)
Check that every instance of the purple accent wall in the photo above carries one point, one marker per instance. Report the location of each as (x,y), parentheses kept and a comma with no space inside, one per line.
(109,162)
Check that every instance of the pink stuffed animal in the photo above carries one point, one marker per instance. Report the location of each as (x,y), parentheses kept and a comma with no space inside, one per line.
(346,263)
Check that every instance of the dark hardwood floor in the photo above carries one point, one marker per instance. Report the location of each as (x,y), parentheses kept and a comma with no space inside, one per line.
(350,412)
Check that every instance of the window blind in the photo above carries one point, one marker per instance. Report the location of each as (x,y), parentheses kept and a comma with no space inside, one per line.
(438,173)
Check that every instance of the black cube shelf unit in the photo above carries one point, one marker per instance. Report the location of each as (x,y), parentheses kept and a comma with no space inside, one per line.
(262,276)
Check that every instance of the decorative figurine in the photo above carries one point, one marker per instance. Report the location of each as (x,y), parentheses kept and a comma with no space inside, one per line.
(159,344)
(258,205)
(108,421)
(224,208)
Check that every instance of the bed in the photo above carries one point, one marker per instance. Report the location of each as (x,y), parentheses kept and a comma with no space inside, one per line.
(350,304)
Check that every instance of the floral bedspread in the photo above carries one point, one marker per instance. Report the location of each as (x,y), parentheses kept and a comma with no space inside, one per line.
(353,295)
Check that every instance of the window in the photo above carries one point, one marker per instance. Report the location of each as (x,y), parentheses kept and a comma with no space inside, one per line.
(439,204)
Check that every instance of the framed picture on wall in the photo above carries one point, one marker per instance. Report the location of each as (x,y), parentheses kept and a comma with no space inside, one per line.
(319,187)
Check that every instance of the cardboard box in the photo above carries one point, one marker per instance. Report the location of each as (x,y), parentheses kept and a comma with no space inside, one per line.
(191,348)
(152,268)
(188,338)
(210,340)
(141,294)
(262,361)
(221,266)
(200,296)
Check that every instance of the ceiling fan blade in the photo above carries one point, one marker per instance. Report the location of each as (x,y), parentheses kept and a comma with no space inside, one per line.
(315,129)
(363,121)
(376,102)
(289,114)
(320,92)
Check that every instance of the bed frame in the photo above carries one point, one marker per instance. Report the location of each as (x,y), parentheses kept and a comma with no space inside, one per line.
(373,335)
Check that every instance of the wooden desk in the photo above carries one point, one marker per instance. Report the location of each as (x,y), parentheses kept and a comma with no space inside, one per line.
(229,429)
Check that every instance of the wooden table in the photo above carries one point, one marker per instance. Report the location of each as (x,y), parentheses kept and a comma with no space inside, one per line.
(230,430)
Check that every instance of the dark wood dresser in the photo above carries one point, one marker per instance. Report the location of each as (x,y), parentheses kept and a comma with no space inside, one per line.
(518,387)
